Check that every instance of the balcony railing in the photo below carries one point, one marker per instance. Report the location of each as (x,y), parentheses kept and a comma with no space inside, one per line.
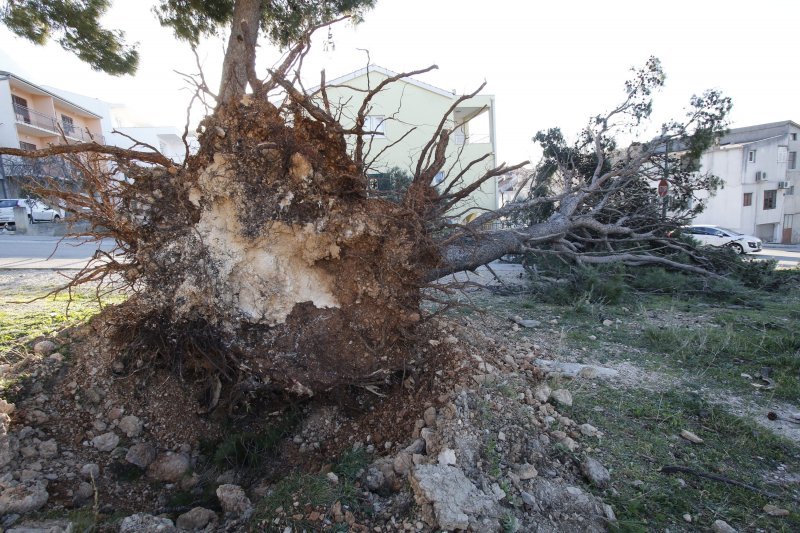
(26,115)
(38,167)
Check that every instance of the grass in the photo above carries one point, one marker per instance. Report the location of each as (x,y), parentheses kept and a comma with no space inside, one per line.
(641,431)
(292,499)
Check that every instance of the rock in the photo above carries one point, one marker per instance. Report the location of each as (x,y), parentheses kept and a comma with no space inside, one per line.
(333,478)
(449,501)
(141,455)
(83,494)
(525,471)
(542,392)
(146,523)
(23,498)
(447,457)
(721,526)
(106,442)
(450,339)
(169,467)
(6,408)
(418,446)
(569,444)
(197,518)
(528,498)
(572,370)
(233,500)
(562,397)
(131,425)
(774,510)
(691,437)
(608,322)
(609,512)
(48,449)
(587,372)
(587,430)
(595,472)
(402,463)
(90,471)
(525,323)
(687,518)
(375,478)
(44,347)
(430,417)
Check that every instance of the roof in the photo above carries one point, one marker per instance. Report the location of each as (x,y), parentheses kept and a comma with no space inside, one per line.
(388,73)
(759,132)
(41,90)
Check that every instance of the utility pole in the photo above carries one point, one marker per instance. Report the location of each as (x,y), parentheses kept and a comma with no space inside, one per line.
(3,176)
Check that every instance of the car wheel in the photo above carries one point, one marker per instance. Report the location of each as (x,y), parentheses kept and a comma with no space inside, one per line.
(737,248)
(56,218)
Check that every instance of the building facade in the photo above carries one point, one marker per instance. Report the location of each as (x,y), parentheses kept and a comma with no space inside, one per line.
(759,167)
(403,117)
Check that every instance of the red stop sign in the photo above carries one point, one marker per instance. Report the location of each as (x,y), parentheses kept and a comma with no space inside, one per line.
(663,188)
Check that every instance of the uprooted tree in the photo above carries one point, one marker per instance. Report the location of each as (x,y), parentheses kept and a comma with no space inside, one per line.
(263,260)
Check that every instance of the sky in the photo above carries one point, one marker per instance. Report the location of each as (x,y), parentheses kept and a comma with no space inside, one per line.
(547,63)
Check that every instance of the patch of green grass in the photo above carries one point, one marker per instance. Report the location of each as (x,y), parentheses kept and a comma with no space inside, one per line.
(641,431)
(249,450)
(310,492)
(492,457)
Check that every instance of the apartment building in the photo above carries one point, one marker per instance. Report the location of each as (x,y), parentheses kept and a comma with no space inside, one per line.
(403,118)
(760,169)
(32,118)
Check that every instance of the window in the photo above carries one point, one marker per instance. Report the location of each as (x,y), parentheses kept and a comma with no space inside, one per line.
(21,110)
(793,136)
(67,124)
(747,199)
(438,178)
(792,162)
(751,156)
(374,125)
(27,146)
(770,199)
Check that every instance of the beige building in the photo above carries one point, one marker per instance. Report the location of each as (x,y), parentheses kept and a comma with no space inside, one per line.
(32,118)
(403,118)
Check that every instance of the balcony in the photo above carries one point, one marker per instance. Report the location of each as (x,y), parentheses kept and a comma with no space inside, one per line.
(38,167)
(35,123)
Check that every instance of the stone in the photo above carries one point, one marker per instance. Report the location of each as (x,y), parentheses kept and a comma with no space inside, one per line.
(402,463)
(569,444)
(588,430)
(607,322)
(141,455)
(587,372)
(169,467)
(595,472)
(430,417)
(525,471)
(106,442)
(197,518)
(525,323)
(48,449)
(233,500)
(691,437)
(448,500)
(562,397)
(6,408)
(528,498)
(90,471)
(333,478)
(608,511)
(418,446)
(23,498)
(721,526)
(774,510)
(542,392)
(83,494)
(687,518)
(447,457)
(131,425)
(573,370)
(44,347)
(146,523)
(498,493)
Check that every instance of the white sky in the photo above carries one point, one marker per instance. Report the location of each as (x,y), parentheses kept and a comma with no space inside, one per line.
(549,63)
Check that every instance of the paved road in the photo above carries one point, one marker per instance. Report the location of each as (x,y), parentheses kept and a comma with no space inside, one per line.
(54,253)
(35,252)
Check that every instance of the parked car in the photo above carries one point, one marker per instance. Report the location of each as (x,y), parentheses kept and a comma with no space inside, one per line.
(37,210)
(717,236)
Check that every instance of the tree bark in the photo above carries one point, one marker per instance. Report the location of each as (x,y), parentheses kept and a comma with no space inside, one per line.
(241,50)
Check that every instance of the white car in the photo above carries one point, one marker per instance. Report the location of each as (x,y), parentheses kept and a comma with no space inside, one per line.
(37,211)
(717,236)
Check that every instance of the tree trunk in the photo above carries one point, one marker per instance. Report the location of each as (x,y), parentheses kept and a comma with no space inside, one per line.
(240,53)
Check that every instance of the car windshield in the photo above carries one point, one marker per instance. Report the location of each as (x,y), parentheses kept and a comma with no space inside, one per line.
(731,231)
(8,203)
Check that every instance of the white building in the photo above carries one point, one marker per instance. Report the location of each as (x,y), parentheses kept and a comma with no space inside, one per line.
(759,167)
